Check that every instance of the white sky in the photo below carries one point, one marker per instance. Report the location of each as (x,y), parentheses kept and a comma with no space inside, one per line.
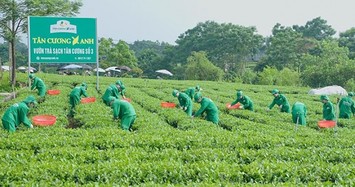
(165,20)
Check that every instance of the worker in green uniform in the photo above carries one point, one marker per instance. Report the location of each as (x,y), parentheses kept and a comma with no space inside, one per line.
(111,91)
(75,96)
(207,106)
(299,113)
(328,108)
(346,106)
(185,102)
(38,84)
(192,90)
(121,88)
(246,102)
(17,114)
(124,111)
(280,100)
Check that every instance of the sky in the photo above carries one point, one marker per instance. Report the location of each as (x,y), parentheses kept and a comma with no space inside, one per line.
(165,20)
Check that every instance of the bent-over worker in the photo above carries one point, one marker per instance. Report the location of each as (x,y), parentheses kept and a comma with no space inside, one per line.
(280,100)
(207,106)
(299,113)
(246,102)
(124,111)
(185,102)
(17,114)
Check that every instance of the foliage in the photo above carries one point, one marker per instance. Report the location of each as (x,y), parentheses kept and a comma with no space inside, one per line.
(268,76)
(350,85)
(225,44)
(200,68)
(136,72)
(317,28)
(139,47)
(168,147)
(324,70)
(249,77)
(286,48)
(149,61)
(287,77)
(347,39)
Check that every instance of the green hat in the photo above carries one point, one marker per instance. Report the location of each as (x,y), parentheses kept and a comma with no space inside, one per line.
(275,91)
(198,87)
(84,85)
(239,93)
(119,82)
(351,94)
(30,99)
(197,96)
(324,97)
(175,93)
(31,76)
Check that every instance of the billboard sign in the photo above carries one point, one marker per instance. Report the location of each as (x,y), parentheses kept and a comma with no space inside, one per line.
(62,40)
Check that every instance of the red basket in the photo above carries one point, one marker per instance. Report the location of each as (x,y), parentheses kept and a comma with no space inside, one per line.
(88,100)
(127,99)
(53,92)
(326,124)
(236,106)
(44,120)
(167,105)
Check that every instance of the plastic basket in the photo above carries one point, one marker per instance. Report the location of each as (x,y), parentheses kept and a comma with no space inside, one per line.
(326,124)
(88,100)
(236,106)
(53,92)
(167,105)
(127,99)
(44,120)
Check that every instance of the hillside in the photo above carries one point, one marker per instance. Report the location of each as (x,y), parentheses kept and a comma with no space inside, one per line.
(167,147)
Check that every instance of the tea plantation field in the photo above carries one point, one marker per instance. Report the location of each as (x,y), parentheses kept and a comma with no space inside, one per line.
(166,147)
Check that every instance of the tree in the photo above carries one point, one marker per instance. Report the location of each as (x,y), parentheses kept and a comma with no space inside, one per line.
(268,76)
(331,67)
(316,28)
(121,55)
(226,45)
(285,49)
(13,19)
(140,47)
(347,39)
(149,62)
(200,68)
(105,47)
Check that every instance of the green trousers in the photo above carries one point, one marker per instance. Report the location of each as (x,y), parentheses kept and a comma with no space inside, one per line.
(8,126)
(127,122)
(301,119)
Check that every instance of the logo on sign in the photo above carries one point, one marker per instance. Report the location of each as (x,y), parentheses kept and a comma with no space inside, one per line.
(63,26)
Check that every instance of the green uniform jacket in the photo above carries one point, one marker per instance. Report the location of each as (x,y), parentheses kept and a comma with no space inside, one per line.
(346,106)
(299,111)
(17,114)
(185,101)
(110,91)
(75,95)
(210,108)
(281,100)
(190,92)
(328,111)
(122,108)
(246,102)
(39,85)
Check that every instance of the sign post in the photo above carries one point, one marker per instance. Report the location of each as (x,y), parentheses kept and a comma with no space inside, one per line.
(63,40)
